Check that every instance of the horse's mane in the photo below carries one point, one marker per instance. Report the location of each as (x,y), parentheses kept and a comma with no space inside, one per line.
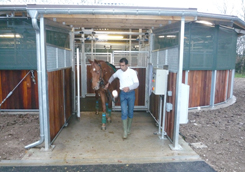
(112,66)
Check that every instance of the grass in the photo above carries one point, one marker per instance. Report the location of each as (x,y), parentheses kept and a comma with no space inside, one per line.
(239,75)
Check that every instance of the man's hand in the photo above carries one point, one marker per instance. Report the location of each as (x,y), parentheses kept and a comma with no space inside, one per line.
(126,89)
(107,85)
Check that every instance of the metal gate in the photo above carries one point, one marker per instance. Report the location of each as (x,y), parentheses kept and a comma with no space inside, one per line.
(138,60)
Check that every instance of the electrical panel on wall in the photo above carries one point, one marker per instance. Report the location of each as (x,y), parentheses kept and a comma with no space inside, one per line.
(159,81)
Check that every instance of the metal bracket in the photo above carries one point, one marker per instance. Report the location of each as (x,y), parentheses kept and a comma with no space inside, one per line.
(169,107)
(170,93)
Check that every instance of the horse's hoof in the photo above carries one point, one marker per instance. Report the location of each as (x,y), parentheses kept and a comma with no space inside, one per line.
(96,112)
(103,127)
(109,120)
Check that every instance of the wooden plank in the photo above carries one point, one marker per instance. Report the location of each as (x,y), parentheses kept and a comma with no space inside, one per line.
(51,104)
(23,96)
(68,92)
(229,84)
(220,88)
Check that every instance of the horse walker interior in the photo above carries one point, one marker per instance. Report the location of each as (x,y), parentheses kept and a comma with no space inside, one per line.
(155,94)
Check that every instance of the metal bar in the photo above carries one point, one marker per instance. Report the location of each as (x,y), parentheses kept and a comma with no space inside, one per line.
(44,83)
(20,110)
(34,16)
(160,115)
(176,145)
(213,84)
(78,85)
(186,76)
(164,109)
(84,70)
(73,70)
(232,82)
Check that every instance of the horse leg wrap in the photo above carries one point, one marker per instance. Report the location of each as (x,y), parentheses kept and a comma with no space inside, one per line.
(103,118)
(106,107)
(109,112)
(97,107)
(109,116)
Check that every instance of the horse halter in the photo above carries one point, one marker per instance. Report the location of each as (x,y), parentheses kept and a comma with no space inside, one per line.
(101,80)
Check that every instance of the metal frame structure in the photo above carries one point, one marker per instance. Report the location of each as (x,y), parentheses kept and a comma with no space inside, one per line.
(40,11)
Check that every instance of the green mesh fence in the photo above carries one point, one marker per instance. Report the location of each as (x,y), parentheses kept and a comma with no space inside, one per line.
(17,44)
(205,47)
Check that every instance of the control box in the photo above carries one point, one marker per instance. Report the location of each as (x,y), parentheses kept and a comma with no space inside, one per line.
(159,81)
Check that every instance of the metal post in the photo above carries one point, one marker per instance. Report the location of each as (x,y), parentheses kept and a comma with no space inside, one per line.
(44,83)
(160,116)
(176,145)
(34,15)
(232,83)
(84,68)
(164,109)
(72,46)
(78,85)
(186,76)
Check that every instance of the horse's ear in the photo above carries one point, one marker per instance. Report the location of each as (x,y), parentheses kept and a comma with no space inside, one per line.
(96,61)
(90,61)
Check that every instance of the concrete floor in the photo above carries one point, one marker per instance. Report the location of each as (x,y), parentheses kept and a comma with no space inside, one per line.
(83,142)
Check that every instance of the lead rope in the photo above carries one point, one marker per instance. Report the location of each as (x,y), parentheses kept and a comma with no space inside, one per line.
(11,92)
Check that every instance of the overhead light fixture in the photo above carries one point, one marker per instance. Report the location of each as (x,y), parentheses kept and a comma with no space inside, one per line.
(161,36)
(107,37)
(10,35)
(171,36)
(204,22)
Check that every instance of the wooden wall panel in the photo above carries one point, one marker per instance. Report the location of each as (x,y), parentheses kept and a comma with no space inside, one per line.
(170,116)
(183,76)
(68,92)
(154,105)
(140,91)
(221,86)
(57,92)
(25,96)
(200,88)
(89,80)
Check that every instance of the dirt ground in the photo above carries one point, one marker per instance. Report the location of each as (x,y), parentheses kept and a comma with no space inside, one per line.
(221,133)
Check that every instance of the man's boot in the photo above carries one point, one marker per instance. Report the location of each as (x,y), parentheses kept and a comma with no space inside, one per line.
(129,124)
(125,132)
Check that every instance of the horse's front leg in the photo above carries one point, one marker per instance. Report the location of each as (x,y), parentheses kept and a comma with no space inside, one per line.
(97,102)
(103,101)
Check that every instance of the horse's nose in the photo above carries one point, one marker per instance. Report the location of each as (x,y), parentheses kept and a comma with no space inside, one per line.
(96,88)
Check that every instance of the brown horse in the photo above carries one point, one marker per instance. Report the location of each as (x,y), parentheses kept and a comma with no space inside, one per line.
(101,72)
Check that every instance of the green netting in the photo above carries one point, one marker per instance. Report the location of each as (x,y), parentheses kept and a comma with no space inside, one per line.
(199,47)
(17,44)
(205,47)
(59,39)
(226,54)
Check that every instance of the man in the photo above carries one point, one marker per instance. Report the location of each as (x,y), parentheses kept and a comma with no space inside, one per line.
(128,82)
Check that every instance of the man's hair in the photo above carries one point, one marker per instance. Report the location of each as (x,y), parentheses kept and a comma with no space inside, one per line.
(124,60)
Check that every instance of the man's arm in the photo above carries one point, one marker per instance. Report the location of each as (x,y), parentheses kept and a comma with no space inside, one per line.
(109,81)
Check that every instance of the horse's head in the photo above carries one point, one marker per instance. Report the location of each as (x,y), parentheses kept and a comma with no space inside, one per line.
(97,74)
